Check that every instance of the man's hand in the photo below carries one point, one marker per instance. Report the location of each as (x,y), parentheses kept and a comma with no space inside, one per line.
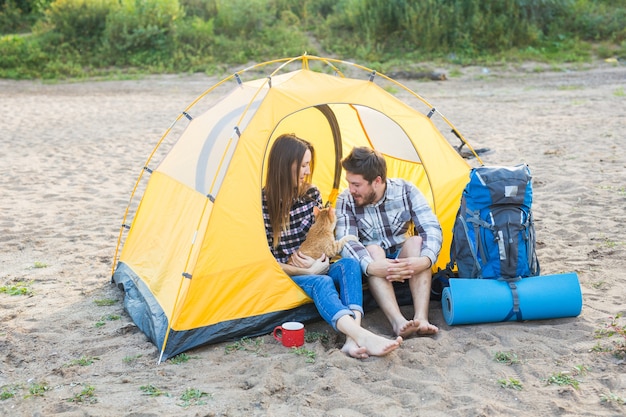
(390,269)
(398,270)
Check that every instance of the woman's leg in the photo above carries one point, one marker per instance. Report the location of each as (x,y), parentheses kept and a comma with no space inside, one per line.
(369,344)
(346,274)
(321,289)
(360,342)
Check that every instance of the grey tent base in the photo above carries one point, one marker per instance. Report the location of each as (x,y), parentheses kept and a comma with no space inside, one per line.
(150,318)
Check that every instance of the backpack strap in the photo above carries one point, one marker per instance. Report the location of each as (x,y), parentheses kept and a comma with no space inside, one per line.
(475,219)
(515,310)
(463,220)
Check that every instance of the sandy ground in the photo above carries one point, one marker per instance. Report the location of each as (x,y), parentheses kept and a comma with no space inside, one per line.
(70,154)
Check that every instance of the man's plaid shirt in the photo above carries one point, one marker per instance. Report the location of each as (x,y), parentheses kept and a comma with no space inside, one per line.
(300,220)
(386,223)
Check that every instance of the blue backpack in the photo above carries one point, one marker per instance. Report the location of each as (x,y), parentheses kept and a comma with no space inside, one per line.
(494,234)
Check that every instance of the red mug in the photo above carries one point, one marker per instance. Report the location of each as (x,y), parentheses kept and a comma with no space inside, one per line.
(290,334)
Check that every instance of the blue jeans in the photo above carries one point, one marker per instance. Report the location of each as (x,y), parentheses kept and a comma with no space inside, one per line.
(337,293)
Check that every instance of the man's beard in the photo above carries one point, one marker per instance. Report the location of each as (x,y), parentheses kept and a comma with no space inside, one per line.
(367,199)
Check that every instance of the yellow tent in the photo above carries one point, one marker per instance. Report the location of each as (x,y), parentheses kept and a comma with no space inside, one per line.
(195,265)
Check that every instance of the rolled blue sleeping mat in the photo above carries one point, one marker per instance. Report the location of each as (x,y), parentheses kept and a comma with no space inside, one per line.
(468,301)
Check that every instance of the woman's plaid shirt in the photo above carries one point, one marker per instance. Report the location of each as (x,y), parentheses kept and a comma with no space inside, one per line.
(300,220)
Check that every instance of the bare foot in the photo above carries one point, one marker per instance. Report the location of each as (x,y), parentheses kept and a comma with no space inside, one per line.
(377,345)
(350,348)
(424,328)
(407,329)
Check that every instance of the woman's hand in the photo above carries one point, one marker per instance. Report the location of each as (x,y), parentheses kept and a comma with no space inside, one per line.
(301,260)
(300,264)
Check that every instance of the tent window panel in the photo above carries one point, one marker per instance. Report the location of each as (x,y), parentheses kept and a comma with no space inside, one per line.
(386,135)
(201,157)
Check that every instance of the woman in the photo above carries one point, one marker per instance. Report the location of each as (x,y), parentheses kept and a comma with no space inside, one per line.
(288,201)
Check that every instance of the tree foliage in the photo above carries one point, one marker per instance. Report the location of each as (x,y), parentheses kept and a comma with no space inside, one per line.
(57,38)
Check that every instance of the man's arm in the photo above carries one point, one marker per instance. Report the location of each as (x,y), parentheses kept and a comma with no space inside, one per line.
(347,225)
(426,224)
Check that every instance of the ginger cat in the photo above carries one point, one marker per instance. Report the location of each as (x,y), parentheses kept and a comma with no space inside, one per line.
(321,236)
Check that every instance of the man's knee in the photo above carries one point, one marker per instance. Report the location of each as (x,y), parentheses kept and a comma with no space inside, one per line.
(376,252)
(412,246)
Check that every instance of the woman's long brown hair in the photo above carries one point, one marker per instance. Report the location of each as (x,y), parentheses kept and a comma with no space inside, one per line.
(281,185)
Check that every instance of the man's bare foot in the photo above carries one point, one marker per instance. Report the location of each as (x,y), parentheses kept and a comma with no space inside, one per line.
(377,345)
(350,348)
(424,328)
(407,329)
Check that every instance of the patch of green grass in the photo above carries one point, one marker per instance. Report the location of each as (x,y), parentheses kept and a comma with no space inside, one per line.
(181,358)
(563,378)
(619,92)
(511,383)
(38,265)
(614,328)
(105,302)
(508,358)
(131,359)
(309,354)
(83,361)
(253,345)
(618,190)
(322,337)
(8,391)
(570,87)
(612,398)
(87,395)
(37,389)
(598,285)
(599,348)
(581,370)
(18,288)
(609,243)
(192,397)
(152,391)
(5,395)
(108,317)
(455,72)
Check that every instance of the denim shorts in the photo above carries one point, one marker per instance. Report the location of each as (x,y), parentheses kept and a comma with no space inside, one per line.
(393,252)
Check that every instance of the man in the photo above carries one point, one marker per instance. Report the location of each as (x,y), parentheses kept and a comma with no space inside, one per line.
(380,211)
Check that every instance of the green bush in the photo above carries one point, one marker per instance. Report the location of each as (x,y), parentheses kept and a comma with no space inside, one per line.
(600,21)
(444,26)
(22,57)
(142,31)
(255,30)
(195,35)
(79,22)
(244,18)
(18,16)
(11,18)
(203,9)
